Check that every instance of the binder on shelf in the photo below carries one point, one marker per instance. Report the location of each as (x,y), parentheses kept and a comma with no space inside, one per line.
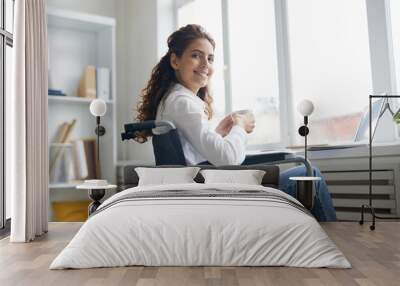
(91,158)
(87,84)
(85,159)
(103,83)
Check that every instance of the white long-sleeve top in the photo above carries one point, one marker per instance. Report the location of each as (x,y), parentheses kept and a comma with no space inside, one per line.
(187,111)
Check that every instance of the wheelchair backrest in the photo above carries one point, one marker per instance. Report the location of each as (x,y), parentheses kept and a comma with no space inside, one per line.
(167,149)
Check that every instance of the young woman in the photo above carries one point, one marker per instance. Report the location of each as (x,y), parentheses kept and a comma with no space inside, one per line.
(178,91)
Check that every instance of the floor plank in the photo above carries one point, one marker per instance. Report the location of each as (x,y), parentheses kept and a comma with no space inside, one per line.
(374,255)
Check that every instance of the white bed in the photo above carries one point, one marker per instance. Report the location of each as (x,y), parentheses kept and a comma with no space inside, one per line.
(269,229)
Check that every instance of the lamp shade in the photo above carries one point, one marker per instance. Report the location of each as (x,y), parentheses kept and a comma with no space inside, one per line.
(305,107)
(98,107)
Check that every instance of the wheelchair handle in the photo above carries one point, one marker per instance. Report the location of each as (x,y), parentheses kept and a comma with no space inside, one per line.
(157,126)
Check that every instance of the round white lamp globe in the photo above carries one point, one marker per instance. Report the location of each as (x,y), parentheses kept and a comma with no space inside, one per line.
(305,107)
(98,107)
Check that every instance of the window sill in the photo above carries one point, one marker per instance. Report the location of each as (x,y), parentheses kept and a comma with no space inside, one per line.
(356,151)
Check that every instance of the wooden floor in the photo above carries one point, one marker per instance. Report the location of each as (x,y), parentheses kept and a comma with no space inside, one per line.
(374,255)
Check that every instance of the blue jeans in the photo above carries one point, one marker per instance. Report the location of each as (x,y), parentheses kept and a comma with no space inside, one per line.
(323,209)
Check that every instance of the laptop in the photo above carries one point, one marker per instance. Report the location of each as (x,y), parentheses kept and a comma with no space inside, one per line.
(361,137)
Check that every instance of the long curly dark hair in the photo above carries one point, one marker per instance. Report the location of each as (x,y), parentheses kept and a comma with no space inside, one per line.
(163,77)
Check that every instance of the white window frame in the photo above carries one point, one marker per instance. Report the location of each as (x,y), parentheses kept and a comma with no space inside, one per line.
(380,44)
(283,72)
(386,26)
(6,39)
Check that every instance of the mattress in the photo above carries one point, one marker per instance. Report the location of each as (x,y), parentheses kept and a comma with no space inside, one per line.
(201,225)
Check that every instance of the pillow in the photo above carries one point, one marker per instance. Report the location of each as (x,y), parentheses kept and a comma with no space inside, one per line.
(248,177)
(164,176)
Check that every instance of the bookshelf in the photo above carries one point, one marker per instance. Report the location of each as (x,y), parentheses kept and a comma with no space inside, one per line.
(64,185)
(72,99)
(77,40)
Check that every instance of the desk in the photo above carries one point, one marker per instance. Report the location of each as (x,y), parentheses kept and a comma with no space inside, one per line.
(276,158)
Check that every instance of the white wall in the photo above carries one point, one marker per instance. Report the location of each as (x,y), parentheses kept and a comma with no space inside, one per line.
(99,7)
(136,56)
(166,23)
(142,31)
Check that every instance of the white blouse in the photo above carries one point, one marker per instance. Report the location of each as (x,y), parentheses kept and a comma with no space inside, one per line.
(187,111)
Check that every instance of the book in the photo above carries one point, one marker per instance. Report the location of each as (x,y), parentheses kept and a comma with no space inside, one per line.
(64,131)
(60,132)
(91,158)
(85,159)
(68,130)
(56,92)
(87,84)
(103,83)
(79,159)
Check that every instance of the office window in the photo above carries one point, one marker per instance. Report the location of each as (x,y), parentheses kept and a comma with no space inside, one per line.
(9,12)
(253,60)
(254,67)
(327,61)
(330,64)
(6,42)
(8,70)
(395,29)
(207,13)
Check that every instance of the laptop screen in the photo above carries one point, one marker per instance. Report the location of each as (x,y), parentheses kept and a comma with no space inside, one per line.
(362,134)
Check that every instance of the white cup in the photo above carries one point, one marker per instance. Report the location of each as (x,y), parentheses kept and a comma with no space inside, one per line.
(243,111)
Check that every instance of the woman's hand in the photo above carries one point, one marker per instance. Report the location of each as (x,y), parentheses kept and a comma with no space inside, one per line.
(225,126)
(246,121)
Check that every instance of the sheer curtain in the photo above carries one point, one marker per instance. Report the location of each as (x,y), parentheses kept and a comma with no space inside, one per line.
(26,116)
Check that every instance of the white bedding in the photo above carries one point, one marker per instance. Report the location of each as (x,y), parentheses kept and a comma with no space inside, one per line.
(200,231)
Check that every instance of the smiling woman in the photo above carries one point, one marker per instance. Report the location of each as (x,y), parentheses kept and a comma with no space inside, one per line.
(178,91)
(180,56)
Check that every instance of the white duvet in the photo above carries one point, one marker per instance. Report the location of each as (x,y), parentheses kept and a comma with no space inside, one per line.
(200,231)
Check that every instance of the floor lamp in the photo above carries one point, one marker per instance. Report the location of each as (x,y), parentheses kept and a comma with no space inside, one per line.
(395,115)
